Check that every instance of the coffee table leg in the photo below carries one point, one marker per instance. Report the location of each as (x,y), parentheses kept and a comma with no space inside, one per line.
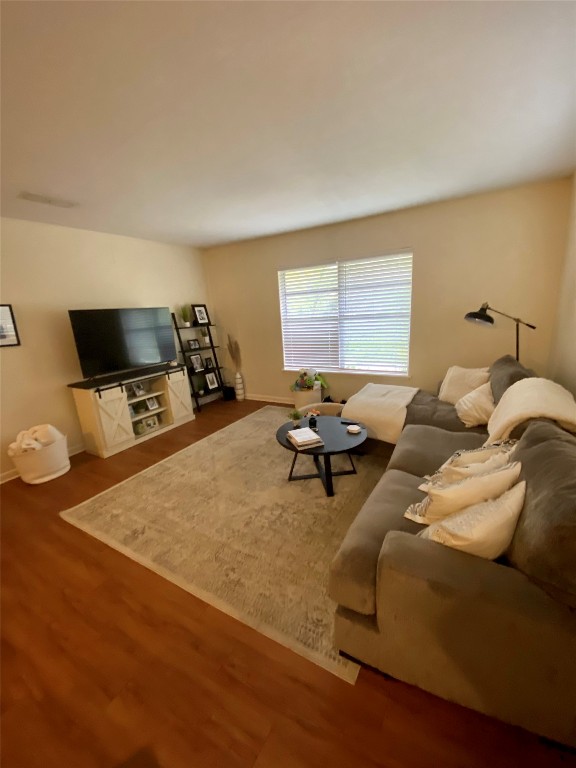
(292,467)
(327,479)
(325,473)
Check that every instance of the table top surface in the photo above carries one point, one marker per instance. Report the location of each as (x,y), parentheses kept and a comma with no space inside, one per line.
(331,429)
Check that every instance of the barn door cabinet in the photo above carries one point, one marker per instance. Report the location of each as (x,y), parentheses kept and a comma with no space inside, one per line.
(118,414)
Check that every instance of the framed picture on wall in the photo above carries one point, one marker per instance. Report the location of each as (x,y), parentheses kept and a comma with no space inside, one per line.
(8,331)
(200,314)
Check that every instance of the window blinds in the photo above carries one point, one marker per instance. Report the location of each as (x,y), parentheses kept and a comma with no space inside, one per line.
(348,316)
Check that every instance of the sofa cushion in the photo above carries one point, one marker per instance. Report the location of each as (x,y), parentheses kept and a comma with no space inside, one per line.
(460,381)
(444,500)
(475,462)
(426,408)
(544,544)
(504,372)
(352,581)
(484,529)
(475,408)
(421,450)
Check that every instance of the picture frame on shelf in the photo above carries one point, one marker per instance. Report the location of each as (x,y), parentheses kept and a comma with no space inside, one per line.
(196,362)
(208,363)
(151,403)
(129,390)
(200,312)
(131,411)
(211,381)
(193,344)
(138,388)
(151,423)
(8,331)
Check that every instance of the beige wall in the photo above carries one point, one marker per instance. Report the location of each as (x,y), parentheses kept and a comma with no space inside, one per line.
(505,247)
(564,361)
(47,270)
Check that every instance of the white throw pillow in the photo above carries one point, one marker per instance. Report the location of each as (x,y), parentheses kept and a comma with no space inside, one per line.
(471,462)
(444,500)
(477,406)
(484,529)
(452,474)
(459,381)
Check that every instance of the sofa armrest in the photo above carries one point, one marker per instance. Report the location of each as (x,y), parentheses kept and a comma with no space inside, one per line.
(453,575)
(476,632)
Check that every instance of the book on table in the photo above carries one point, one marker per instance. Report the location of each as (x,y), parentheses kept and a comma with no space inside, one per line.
(304,438)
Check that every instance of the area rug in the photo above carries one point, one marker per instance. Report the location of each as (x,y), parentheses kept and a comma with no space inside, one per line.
(221,520)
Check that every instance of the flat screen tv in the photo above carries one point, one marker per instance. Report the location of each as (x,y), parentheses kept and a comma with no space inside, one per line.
(113,340)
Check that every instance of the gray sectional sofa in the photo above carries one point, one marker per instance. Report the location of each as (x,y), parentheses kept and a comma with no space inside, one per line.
(499,637)
(427,409)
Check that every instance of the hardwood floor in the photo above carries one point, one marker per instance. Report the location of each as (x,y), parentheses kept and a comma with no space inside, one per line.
(105,664)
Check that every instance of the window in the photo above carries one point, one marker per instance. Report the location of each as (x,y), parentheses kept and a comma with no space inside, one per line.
(348,316)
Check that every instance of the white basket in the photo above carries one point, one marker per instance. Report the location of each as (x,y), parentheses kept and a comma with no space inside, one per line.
(45,464)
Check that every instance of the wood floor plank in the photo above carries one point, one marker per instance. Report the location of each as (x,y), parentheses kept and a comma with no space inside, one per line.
(105,663)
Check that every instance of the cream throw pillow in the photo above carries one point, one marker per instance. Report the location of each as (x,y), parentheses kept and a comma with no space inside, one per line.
(476,407)
(459,381)
(484,529)
(453,474)
(472,462)
(444,500)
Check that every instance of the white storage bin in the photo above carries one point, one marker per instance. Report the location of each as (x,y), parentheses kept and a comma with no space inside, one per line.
(45,464)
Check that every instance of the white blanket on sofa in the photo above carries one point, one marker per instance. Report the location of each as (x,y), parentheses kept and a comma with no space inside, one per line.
(528,399)
(381,408)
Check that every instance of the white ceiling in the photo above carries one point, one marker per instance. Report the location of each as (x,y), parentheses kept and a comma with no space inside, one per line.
(206,122)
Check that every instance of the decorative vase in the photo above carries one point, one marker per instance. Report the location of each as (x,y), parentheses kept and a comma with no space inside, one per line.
(239,386)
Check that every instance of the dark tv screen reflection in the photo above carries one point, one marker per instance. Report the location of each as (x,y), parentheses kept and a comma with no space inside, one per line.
(113,340)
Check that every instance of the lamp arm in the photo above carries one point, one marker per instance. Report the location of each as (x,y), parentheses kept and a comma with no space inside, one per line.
(516,319)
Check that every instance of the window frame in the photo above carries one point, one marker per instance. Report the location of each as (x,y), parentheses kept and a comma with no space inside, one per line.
(349,280)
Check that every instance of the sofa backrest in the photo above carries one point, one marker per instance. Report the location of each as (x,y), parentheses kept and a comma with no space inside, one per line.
(504,372)
(544,544)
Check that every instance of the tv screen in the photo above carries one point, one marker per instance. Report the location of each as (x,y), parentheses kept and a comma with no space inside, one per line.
(110,340)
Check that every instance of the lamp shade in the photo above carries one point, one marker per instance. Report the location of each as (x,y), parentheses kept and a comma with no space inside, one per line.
(484,318)
(481,316)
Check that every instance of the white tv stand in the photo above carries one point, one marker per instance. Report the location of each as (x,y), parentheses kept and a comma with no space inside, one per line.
(116,413)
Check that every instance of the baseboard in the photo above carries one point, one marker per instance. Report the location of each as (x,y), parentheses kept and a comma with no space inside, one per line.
(271,399)
(9,475)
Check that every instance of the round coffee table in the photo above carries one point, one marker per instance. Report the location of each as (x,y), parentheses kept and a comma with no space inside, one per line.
(332,429)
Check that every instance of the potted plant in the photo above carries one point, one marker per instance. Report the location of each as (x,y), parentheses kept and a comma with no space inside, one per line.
(308,387)
(308,378)
(296,417)
(185,311)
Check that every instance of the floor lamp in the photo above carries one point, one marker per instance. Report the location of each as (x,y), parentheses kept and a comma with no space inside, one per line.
(482,316)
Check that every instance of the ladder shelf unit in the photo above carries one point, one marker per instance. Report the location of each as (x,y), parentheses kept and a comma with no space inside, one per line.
(204,370)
